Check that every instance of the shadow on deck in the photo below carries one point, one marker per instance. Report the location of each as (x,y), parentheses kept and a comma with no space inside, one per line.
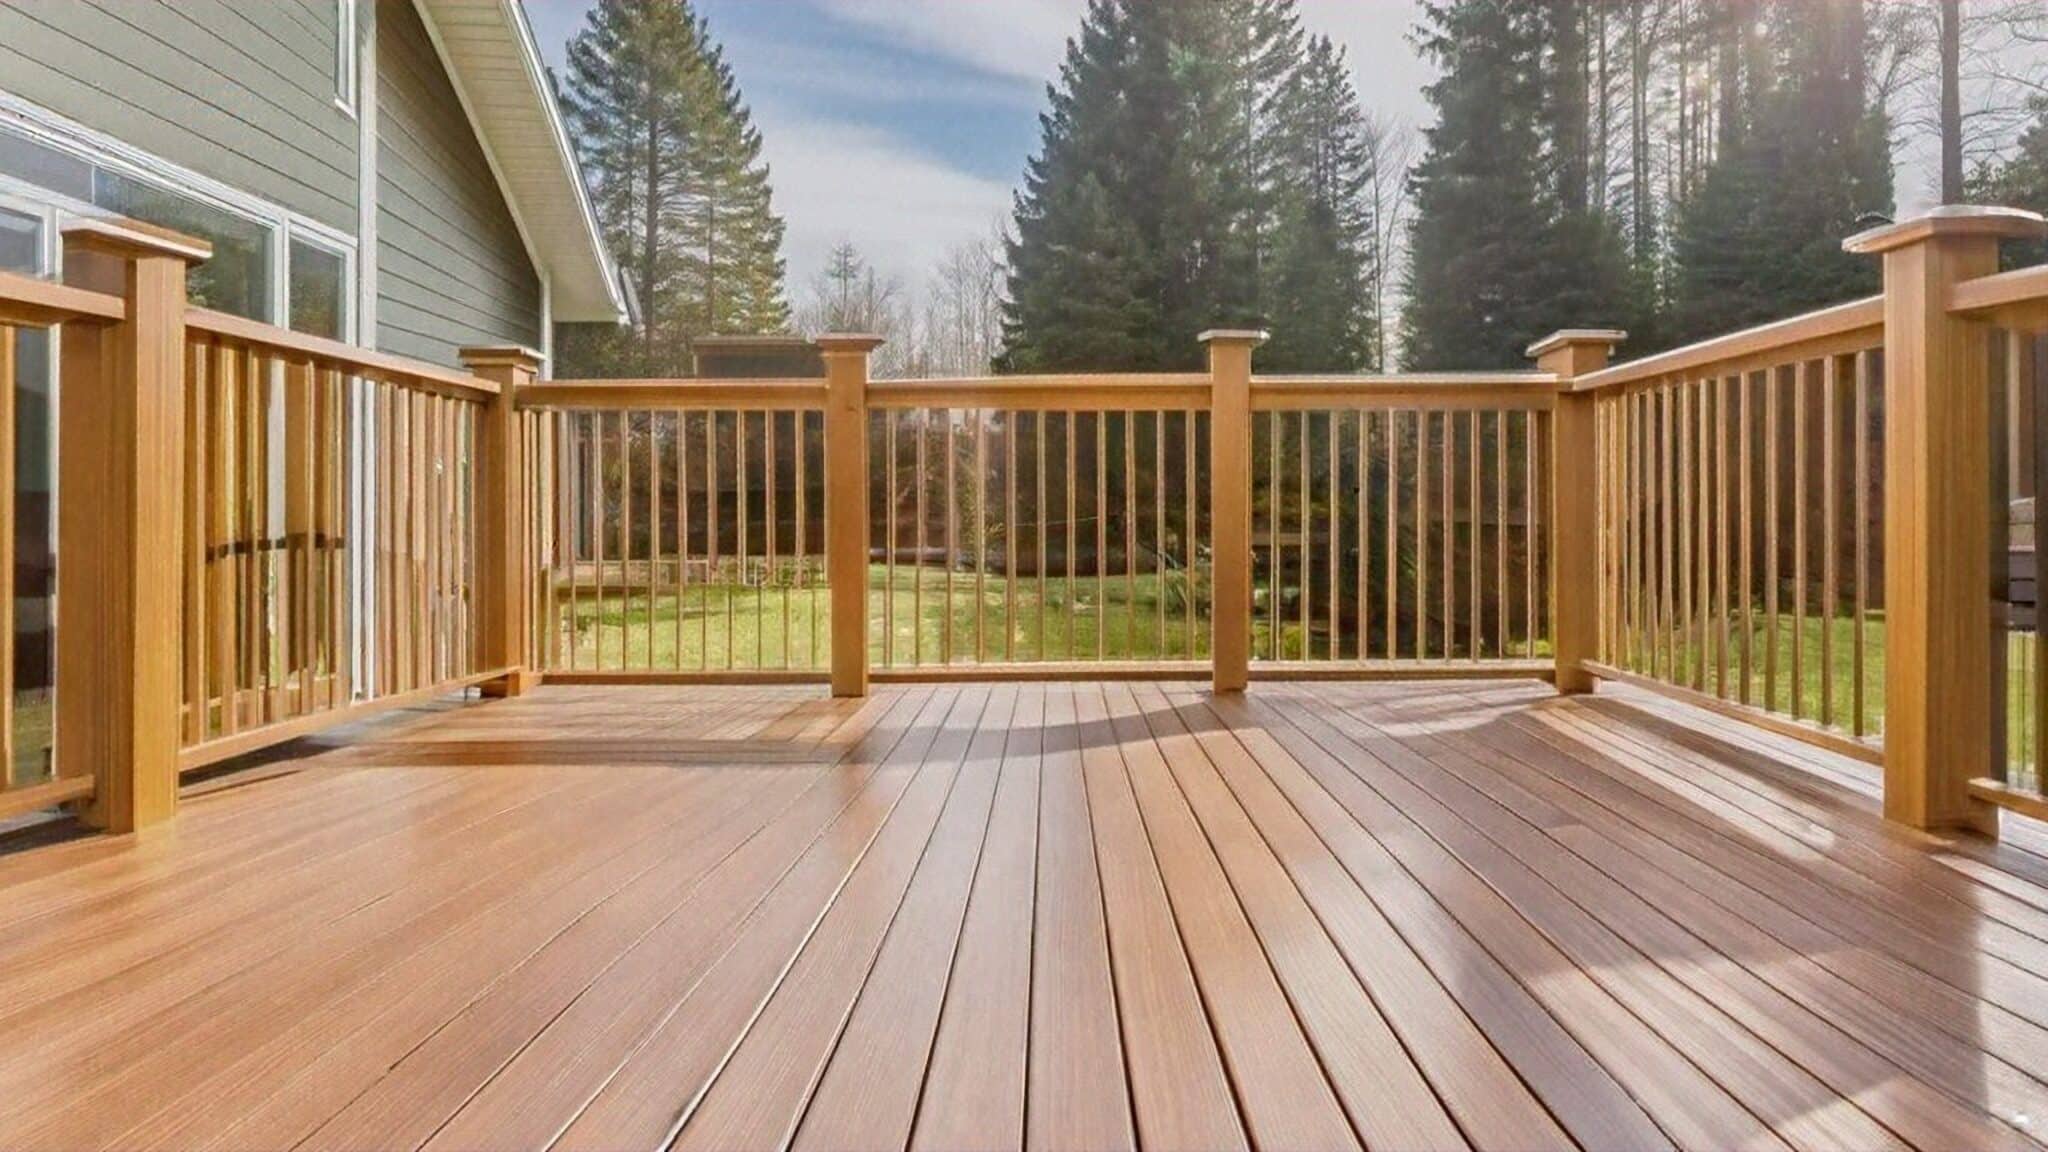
(1057,916)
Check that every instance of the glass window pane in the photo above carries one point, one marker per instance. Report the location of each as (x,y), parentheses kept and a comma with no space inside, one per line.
(237,278)
(317,284)
(35,571)
(32,163)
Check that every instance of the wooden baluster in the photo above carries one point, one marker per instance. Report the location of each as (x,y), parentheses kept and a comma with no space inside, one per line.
(1230,526)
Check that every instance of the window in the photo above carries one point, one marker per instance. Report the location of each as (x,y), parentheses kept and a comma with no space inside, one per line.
(24,249)
(319,290)
(237,278)
(345,55)
(267,264)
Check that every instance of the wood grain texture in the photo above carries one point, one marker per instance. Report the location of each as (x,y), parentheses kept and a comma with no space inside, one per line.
(1028,915)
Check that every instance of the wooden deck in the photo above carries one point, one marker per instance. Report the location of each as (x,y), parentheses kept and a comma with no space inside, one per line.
(1049,916)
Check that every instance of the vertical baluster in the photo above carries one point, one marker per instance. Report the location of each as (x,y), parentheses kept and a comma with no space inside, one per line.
(1010,434)
(1775,481)
(1448,571)
(1038,422)
(981,419)
(800,447)
(197,694)
(744,544)
(1131,538)
(1159,526)
(889,418)
(1831,387)
(1073,539)
(1860,464)
(1273,582)
(921,476)
(952,513)
(1392,622)
(1474,550)
(1422,423)
(1335,456)
(1101,534)
(1190,523)
(1800,395)
(1306,562)
(1362,427)
(1681,619)
(1500,535)
(1722,484)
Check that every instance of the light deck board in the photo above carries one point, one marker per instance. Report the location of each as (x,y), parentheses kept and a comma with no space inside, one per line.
(1040,915)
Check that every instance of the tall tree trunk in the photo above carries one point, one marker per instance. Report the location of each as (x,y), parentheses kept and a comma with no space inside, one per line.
(1735,19)
(1951,102)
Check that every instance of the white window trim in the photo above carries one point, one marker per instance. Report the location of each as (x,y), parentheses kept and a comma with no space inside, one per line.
(63,135)
(345,75)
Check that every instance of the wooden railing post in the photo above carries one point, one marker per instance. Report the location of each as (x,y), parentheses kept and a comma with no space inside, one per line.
(1230,508)
(502,483)
(846,505)
(1940,691)
(1574,510)
(121,472)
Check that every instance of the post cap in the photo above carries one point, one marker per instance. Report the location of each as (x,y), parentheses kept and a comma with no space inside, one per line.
(842,343)
(127,239)
(1251,336)
(1575,337)
(500,356)
(1949,220)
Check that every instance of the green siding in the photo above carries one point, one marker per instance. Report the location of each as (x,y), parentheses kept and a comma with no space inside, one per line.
(243,93)
(451,269)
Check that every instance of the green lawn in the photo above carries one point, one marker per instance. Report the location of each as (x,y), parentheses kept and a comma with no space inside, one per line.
(729,626)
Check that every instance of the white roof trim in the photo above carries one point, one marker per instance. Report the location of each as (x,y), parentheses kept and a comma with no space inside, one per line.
(495,64)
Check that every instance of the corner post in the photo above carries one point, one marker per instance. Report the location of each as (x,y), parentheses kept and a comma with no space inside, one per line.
(1574,505)
(1939,684)
(1230,508)
(503,591)
(121,423)
(846,505)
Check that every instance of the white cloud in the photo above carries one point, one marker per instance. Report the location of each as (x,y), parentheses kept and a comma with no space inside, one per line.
(836,182)
(1021,39)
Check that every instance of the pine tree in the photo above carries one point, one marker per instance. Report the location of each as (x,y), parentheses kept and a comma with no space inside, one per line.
(2019,179)
(678,185)
(1150,209)
(1761,238)
(1499,256)
(1319,276)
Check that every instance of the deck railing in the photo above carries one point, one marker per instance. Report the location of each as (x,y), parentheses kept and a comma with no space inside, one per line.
(284,524)
(1740,495)
(1812,524)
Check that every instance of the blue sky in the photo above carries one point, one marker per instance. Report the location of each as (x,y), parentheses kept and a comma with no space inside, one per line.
(904,125)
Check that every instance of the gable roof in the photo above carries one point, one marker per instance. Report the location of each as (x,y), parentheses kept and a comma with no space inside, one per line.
(491,56)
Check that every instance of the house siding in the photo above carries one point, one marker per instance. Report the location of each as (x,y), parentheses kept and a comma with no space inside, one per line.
(242,93)
(451,267)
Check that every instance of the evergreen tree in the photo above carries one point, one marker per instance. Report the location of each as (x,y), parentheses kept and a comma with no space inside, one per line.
(1157,198)
(678,185)
(2019,180)
(1761,238)
(1499,254)
(1320,272)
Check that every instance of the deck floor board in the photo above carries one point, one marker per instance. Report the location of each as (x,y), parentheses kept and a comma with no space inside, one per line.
(1031,915)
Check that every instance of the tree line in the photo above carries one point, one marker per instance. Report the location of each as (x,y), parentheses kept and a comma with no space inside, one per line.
(1677,168)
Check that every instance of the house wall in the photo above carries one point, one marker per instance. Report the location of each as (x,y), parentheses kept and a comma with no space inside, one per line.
(244,93)
(451,267)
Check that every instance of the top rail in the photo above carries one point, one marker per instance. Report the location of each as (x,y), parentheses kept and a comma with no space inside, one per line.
(1844,328)
(1532,391)
(35,303)
(335,354)
(1081,393)
(672,395)
(2016,299)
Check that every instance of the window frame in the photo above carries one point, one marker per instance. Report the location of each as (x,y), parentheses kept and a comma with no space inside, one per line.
(346,72)
(285,227)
